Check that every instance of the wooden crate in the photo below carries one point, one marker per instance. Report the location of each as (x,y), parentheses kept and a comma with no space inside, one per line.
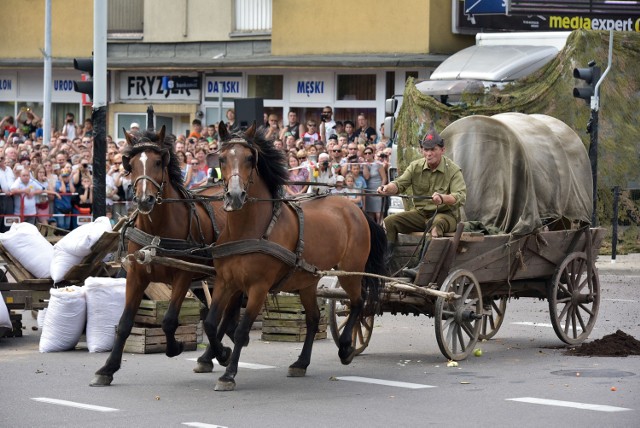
(150,340)
(151,312)
(283,319)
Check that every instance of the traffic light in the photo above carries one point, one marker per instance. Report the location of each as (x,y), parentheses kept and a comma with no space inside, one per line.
(84,86)
(590,75)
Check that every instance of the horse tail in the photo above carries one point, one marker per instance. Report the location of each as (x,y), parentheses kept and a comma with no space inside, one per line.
(372,287)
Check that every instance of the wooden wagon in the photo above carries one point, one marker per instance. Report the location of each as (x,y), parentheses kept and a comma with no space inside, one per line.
(465,280)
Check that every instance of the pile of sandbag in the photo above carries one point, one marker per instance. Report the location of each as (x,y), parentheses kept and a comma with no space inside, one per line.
(24,240)
(97,306)
(76,245)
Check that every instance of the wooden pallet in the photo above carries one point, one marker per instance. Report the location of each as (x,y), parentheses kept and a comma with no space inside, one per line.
(150,340)
(151,312)
(283,319)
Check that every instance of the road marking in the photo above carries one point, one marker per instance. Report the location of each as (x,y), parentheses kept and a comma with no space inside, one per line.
(251,366)
(384,382)
(534,324)
(74,404)
(201,425)
(572,404)
(621,300)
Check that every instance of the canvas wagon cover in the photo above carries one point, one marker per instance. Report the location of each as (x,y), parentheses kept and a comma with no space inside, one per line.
(521,169)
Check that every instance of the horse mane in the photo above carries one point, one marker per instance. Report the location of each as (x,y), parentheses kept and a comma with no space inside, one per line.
(272,166)
(141,142)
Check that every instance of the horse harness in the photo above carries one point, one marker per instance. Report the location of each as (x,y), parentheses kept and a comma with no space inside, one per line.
(188,247)
(265,246)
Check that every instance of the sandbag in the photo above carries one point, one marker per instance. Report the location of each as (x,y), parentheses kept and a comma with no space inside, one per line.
(61,262)
(65,320)
(79,241)
(5,319)
(42,313)
(76,245)
(105,304)
(23,241)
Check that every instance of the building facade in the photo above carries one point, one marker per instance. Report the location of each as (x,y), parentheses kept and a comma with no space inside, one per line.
(292,55)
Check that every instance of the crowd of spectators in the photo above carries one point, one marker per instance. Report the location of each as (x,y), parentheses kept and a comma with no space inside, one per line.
(51,182)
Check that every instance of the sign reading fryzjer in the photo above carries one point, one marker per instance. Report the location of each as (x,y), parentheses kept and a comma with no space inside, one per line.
(311,87)
(227,86)
(153,86)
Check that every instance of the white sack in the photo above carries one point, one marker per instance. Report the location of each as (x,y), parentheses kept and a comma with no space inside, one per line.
(32,250)
(105,304)
(65,320)
(79,241)
(61,263)
(42,313)
(5,320)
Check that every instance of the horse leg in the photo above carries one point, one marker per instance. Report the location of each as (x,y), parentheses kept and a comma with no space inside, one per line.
(215,349)
(135,289)
(170,321)
(227,382)
(229,323)
(312,319)
(352,285)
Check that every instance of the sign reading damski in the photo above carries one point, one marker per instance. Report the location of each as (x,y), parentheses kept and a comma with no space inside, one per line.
(148,86)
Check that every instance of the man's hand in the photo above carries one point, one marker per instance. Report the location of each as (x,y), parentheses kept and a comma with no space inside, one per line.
(388,189)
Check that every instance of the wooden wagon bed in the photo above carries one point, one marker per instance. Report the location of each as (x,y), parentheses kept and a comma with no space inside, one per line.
(21,290)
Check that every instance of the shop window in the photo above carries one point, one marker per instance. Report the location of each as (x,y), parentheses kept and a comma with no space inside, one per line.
(356,87)
(265,86)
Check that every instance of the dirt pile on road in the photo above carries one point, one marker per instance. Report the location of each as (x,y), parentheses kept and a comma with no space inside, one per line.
(618,344)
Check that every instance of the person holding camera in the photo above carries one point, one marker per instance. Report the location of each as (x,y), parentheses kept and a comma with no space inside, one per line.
(70,127)
(311,135)
(323,173)
(327,124)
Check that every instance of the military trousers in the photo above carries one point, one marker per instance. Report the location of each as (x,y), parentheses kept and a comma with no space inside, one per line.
(416,221)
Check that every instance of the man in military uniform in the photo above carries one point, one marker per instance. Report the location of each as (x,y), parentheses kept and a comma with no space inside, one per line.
(434,175)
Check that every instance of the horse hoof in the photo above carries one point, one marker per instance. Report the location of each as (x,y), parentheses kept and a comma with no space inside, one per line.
(225,358)
(351,352)
(203,367)
(101,380)
(225,385)
(175,351)
(296,372)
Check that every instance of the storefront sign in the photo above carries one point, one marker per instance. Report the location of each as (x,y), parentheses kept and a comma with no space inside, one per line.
(8,87)
(148,86)
(311,87)
(30,86)
(228,86)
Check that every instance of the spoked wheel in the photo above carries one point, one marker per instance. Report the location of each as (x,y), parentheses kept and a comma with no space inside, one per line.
(339,311)
(458,320)
(492,316)
(573,303)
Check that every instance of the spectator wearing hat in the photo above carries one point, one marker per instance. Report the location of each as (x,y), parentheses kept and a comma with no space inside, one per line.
(434,175)
(339,189)
(338,128)
(70,128)
(134,127)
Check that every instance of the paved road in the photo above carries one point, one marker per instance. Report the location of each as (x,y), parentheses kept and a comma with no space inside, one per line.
(523,378)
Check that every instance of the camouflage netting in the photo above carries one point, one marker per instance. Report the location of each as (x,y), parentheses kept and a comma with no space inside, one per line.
(550,91)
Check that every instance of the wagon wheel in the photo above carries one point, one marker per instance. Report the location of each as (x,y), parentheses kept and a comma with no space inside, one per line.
(458,321)
(573,304)
(492,316)
(339,311)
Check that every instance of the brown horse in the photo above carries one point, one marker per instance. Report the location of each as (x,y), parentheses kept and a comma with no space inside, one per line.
(271,245)
(185,224)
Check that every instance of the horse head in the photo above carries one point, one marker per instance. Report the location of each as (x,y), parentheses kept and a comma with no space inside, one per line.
(237,159)
(146,159)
